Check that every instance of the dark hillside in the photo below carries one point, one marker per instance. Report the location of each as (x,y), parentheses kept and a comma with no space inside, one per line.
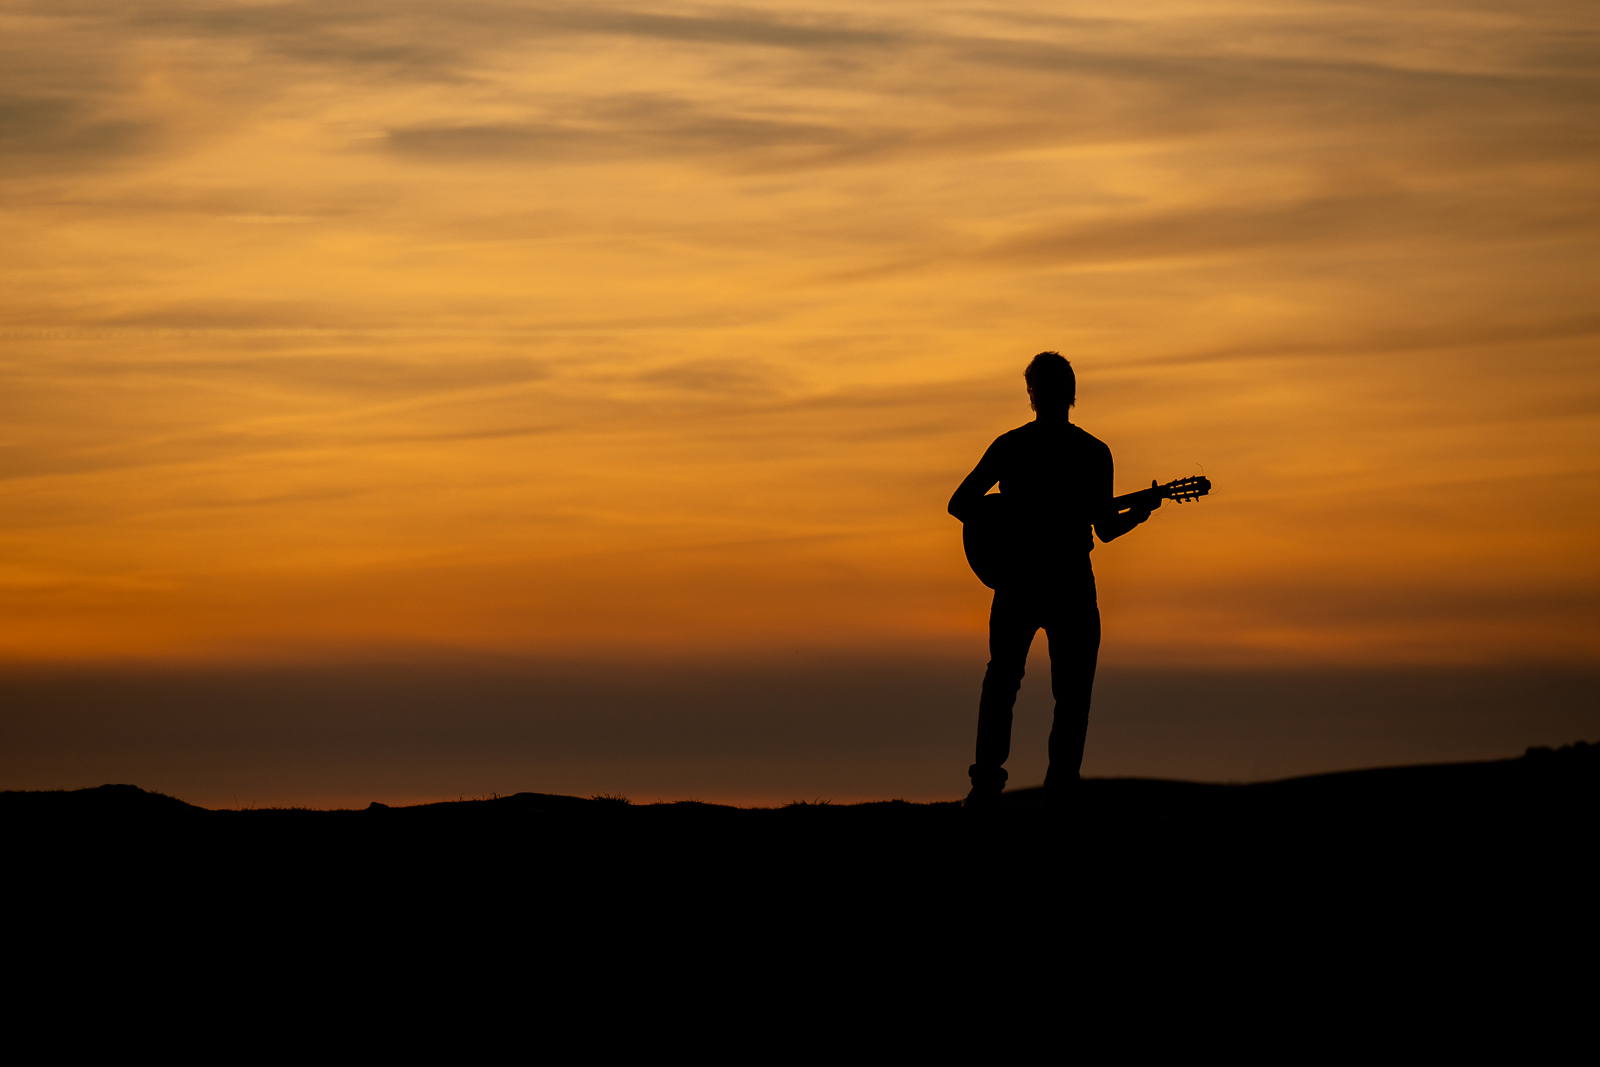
(1338,868)
(1546,800)
(1541,795)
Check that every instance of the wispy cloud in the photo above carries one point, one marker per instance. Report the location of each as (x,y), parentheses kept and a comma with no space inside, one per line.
(630,127)
(50,131)
(718,376)
(1380,216)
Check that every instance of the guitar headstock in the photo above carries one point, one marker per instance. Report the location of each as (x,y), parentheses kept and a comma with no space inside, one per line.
(1184,489)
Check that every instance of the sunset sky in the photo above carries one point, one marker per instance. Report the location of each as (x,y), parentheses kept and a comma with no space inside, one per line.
(616,331)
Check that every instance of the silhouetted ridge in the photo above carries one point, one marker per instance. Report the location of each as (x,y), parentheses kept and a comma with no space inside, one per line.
(1535,773)
(106,801)
(1423,866)
(1571,772)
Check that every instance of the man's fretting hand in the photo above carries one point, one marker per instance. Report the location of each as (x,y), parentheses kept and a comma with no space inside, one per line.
(1114,526)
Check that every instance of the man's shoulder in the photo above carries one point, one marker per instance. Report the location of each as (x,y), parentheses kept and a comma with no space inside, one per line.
(1032,436)
(1071,432)
(1011,442)
(1090,441)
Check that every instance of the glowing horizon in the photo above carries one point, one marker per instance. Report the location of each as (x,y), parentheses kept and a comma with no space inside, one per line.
(596,330)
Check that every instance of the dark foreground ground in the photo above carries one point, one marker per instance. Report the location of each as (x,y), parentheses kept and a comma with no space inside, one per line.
(1383,874)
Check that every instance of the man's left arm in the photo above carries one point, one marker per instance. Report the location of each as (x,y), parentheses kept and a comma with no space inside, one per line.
(1112,525)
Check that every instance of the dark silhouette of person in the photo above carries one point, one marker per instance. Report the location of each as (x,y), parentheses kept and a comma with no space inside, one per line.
(1056,480)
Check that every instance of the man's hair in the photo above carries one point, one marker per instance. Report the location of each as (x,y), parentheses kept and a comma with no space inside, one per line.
(1050,378)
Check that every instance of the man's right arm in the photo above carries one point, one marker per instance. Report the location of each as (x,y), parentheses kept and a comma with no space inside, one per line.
(969,494)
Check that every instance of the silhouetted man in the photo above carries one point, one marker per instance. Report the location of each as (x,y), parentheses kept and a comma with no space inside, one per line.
(1056,480)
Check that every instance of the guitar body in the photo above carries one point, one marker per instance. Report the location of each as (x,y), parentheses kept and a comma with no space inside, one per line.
(990,541)
(994,540)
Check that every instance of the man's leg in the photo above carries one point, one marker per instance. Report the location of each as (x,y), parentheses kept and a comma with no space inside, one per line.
(1073,627)
(1012,623)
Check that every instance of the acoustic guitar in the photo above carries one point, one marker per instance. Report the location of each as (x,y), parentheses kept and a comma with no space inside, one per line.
(996,544)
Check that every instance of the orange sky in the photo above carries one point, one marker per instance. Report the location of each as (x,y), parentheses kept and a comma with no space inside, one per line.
(582,329)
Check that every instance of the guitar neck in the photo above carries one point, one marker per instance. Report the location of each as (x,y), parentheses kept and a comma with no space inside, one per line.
(1139,499)
(1184,489)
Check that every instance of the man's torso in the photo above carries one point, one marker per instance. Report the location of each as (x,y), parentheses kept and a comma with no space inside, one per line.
(1059,478)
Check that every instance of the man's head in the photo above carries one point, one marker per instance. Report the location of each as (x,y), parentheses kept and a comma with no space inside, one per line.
(1052,387)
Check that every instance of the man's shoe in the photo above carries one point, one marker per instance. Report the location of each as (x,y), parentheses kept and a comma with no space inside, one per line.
(987,784)
(982,797)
